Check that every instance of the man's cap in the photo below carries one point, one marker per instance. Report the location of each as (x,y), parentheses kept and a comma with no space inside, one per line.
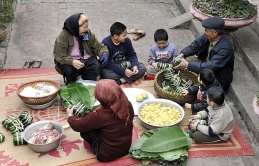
(216,23)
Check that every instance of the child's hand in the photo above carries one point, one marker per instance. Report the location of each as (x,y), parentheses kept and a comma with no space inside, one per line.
(70,111)
(135,70)
(155,66)
(128,73)
(185,92)
(193,126)
(192,117)
(188,105)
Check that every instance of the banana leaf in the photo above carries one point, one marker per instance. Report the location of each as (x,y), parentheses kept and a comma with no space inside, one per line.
(165,140)
(79,92)
(173,155)
(76,92)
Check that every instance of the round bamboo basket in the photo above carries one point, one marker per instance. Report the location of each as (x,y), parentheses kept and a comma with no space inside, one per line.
(176,97)
(38,100)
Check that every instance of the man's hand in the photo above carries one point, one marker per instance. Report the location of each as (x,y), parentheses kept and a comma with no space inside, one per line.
(104,60)
(180,56)
(78,64)
(182,65)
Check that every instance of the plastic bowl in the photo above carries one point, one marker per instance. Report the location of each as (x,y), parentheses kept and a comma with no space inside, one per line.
(164,102)
(42,148)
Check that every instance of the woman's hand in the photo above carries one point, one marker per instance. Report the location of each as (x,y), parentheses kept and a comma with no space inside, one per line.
(70,111)
(78,64)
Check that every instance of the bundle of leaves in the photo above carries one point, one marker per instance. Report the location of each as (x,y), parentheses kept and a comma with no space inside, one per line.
(162,145)
(6,11)
(173,82)
(226,8)
(75,93)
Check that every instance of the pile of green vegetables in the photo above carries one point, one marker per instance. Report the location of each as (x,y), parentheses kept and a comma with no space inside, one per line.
(162,145)
(173,82)
(78,95)
(17,126)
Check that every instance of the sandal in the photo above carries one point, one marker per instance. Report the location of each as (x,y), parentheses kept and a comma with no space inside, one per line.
(26,65)
(135,31)
(138,36)
(35,64)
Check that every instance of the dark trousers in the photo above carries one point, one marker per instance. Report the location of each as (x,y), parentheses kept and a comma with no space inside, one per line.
(93,138)
(201,138)
(90,71)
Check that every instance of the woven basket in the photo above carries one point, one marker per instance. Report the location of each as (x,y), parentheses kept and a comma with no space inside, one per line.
(176,97)
(38,100)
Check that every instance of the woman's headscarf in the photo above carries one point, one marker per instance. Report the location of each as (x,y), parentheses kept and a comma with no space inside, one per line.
(72,24)
(110,95)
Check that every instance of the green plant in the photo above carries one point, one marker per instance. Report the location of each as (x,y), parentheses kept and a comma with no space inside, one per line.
(6,11)
(226,8)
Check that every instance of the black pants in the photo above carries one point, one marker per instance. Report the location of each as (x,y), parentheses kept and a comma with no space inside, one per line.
(90,71)
(93,138)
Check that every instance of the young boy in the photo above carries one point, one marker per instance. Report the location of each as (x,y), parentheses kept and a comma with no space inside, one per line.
(161,52)
(219,119)
(123,65)
(206,79)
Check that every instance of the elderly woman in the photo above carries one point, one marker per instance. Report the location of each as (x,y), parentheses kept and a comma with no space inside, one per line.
(77,50)
(108,129)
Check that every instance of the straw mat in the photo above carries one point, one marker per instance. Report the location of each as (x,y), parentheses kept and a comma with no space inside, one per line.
(73,150)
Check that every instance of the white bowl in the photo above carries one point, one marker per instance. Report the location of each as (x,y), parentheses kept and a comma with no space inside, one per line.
(164,102)
(42,148)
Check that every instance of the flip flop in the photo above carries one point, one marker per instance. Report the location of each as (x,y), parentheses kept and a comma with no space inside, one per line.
(35,64)
(138,36)
(135,31)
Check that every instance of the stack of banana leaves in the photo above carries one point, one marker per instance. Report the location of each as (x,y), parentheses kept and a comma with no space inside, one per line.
(162,145)
(78,95)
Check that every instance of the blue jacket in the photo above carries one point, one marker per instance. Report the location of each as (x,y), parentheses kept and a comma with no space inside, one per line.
(221,59)
(118,53)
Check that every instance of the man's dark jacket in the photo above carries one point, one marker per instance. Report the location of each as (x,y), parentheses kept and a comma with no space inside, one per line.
(221,59)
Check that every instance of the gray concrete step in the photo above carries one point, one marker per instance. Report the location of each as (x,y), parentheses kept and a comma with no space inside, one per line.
(178,20)
(246,76)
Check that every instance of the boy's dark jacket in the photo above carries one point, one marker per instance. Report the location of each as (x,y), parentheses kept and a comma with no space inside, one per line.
(199,105)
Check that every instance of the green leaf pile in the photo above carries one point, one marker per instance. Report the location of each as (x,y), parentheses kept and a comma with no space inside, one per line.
(173,82)
(162,145)
(76,92)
